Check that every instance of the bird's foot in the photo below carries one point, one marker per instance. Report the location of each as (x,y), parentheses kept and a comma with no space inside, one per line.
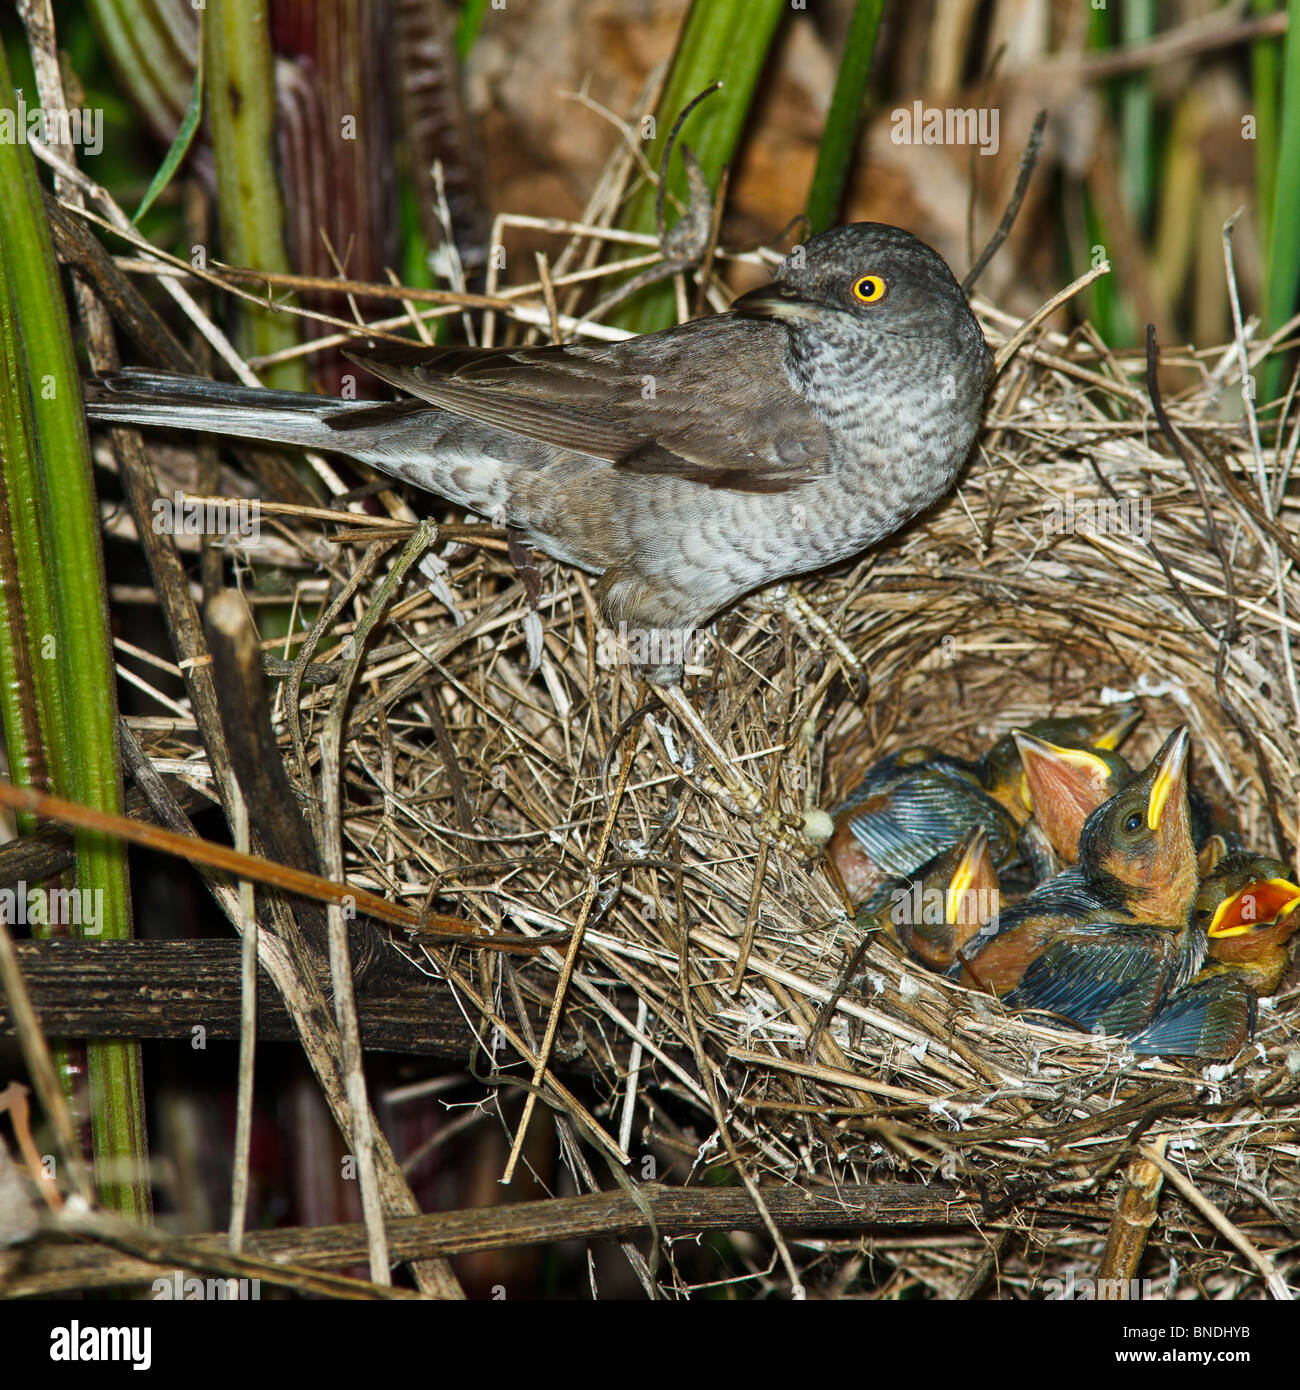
(817,630)
(521,557)
(727,786)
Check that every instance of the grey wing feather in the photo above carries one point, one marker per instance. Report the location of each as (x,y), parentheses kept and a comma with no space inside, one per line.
(1205,1019)
(1113,980)
(654,404)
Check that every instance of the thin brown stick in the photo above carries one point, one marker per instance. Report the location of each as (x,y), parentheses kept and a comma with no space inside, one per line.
(566,970)
(40,1066)
(1009,349)
(254,753)
(239,1184)
(341,970)
(1135,1212)
(1028,161)
(438,926)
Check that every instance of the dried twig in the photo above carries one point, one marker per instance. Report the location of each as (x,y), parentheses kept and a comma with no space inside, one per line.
(1028,161)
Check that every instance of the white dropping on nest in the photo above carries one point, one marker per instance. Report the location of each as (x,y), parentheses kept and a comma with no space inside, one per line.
(818,825)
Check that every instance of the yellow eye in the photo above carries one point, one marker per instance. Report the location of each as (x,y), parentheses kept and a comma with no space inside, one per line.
(869,289)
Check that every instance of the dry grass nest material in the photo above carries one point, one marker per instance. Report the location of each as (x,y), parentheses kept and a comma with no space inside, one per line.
(476,785)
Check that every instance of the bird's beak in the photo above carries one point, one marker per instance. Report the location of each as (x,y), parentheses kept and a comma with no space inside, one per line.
(1169,780)
(974,871)
(776,301)
(1254,907)
(1049,762)
(1108,737)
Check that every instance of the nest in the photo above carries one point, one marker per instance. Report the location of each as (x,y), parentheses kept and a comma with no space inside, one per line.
(498,768)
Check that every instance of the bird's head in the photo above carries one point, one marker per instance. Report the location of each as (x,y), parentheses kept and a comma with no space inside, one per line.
(868,273)
(1066,785)
(1247,904)
(1139,843)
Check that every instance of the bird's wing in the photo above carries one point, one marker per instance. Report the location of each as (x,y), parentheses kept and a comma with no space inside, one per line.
(902,827)
(709,401)
(1210,1018)
(1099,976)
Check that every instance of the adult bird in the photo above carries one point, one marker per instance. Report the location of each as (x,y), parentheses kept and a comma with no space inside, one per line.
(687,467)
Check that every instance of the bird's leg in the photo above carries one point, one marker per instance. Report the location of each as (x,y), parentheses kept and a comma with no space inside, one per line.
(521,557)
(805,617)
(657,632)
(729,787)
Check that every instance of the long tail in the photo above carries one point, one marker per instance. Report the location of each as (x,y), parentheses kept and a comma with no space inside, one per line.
(194,403)
(295,417)
(434,449)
